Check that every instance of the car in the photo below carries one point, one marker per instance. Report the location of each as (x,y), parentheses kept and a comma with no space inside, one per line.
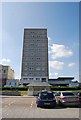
(66,98)
(46,98)
(79,95)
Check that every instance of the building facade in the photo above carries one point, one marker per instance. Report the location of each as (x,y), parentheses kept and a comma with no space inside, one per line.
(35,56)
(61,81)
(5,73)
(12,82)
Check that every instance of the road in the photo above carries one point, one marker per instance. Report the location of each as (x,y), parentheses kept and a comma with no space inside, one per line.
(25,107)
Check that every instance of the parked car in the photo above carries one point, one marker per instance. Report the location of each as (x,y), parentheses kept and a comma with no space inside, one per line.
(67,99)
(46,98)
(79,95)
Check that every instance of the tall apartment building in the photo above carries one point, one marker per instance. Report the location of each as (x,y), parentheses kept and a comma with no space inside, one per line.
(5,73)
(35,55)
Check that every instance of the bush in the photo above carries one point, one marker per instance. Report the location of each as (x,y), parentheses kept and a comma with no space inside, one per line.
(63,88)
(15,88)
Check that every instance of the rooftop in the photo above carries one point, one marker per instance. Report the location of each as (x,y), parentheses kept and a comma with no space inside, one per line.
(38,83)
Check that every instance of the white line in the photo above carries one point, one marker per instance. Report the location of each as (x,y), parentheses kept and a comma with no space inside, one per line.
(31,104)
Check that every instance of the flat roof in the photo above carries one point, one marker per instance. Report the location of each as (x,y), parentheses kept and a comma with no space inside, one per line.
(38,83)
(35,28)
(61,78)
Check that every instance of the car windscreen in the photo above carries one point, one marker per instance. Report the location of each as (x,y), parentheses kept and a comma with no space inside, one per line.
(46,95)
(68,94)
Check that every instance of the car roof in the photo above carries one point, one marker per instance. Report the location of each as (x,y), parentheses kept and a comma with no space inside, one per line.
(66,91)
(45,92)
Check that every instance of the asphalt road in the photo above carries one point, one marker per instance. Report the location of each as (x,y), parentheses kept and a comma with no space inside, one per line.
(25,107)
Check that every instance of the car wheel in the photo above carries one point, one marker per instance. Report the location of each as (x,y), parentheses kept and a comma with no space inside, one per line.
(38,106)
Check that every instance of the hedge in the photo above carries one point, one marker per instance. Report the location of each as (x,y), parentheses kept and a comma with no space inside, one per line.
(58,88)
(15,88)
(64,88)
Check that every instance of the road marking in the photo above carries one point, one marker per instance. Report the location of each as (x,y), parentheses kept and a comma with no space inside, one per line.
(9,104)
(31,104)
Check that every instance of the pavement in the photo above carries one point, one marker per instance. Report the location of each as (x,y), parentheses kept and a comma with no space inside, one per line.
(23,96)
(25,107)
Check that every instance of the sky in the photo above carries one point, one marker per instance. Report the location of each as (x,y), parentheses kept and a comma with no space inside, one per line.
(62,22)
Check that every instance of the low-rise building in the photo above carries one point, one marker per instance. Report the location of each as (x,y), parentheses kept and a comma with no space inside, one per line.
(61,81)
(37,86)
(12,82)
(74,84)
(5,73)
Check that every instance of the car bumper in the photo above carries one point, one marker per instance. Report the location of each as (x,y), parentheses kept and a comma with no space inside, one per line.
(73,103)
(40,103)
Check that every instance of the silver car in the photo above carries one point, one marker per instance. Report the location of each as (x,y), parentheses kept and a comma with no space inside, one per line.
(64,98)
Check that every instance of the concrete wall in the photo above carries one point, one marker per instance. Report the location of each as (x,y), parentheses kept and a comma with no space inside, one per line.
(36,89)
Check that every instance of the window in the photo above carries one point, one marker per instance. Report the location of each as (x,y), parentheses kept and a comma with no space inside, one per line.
(37,78)
(32,44)
(43,49)
(25,69)
(26,58)
(31,49)
(38,58)
(43,69)
(43,45)
(38,49)
(68,94)
(43,36)
(43,53)
(37,74)
(37,53)
(43,79)
(31,63)
(26,50)
(32,36)
(37,68)
(31,68)
(30,78)
(37,45)
(25,64)
(32,53)
(32,58)
(58,94)
(37,40)
(31,74)
(25,78)
(4,71)
(32,40)
(43,58)
(43,74)
(43,32)
(10,83)
(43,64)
(38,63)
(25,74)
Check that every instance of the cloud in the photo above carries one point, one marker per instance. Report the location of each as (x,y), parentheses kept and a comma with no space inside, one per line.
(71,65)
(56,65)
(59,51)
(5,61)
(53,75)
(49,38)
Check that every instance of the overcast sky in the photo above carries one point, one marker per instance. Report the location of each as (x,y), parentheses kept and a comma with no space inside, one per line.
(62,23)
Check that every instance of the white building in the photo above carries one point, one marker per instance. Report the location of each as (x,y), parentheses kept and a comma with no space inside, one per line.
(74,84)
